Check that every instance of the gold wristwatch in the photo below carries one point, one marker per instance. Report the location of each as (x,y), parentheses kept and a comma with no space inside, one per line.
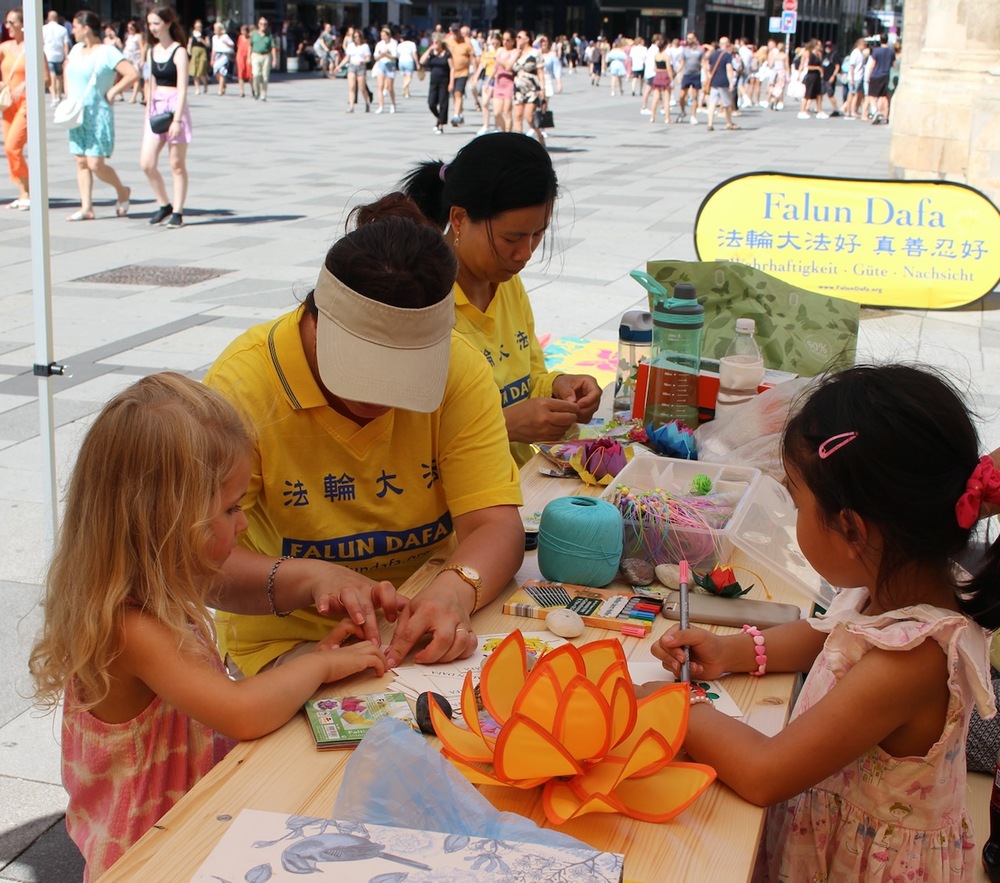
(472,577)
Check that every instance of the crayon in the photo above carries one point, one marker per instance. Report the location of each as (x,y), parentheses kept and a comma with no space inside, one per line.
(634,630)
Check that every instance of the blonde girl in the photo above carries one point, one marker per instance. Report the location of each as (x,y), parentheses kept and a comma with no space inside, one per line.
(152,513)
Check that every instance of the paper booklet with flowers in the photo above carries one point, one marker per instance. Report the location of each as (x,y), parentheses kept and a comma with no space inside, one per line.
(342,722)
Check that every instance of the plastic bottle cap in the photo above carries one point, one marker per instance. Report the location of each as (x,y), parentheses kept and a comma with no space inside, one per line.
(746,326)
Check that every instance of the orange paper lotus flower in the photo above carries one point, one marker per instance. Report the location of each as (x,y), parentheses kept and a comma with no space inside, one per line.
(575,726)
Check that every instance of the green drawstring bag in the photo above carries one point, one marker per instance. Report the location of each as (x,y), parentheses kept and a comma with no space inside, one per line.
(797,330)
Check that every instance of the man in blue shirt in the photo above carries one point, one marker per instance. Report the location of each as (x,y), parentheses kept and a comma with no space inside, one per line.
(877,75)
(721,79)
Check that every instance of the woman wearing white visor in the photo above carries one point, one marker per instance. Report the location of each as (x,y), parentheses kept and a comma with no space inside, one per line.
(381,444)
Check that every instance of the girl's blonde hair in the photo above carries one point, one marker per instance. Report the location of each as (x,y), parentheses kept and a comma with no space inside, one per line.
(136,529)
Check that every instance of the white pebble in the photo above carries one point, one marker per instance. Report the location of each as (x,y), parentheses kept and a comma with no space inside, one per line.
(669,575)
(565,623)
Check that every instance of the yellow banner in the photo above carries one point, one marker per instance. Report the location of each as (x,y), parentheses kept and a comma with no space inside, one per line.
(922,244)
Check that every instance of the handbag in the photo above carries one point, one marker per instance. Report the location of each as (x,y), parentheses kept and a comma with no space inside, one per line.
(160,122)
(6,98)
(543,118)
(69,111)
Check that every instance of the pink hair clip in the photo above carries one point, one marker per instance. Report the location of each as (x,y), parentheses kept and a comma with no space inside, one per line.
(834,443)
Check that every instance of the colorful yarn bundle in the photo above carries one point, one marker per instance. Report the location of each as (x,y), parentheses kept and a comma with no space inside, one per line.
(665,527)
(580,541)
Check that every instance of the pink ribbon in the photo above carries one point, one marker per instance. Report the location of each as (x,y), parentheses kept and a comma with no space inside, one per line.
(983,486)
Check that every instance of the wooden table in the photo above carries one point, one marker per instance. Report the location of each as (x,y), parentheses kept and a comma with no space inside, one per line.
(715,839)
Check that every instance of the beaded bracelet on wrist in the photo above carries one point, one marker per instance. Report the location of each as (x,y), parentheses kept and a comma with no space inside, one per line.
(270,587)
(759,650)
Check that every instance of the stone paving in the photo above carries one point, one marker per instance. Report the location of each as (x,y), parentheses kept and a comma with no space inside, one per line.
(271,187)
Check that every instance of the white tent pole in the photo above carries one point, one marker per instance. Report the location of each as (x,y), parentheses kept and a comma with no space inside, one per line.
(38,183)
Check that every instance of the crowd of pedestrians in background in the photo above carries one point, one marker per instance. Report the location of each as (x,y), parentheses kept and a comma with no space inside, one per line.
(505,77)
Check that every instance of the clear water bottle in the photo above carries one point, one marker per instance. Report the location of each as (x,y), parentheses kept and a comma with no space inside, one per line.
(741,369)
(678,323)
(635,339)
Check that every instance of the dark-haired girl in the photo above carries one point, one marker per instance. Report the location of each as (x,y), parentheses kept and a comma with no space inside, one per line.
(168,88)
(93,141)
(868,780)
(380,444)
(494,202)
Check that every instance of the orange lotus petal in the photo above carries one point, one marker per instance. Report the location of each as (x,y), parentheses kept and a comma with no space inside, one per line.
(564,662)
(665,712)
(561,803)
(503,675)
(470,747)
(608,679)
(623,710)
(539,699)
(583,720)
(599,656)
(524,750)
(470,708)
(480,775)
(663,794)
(652,752)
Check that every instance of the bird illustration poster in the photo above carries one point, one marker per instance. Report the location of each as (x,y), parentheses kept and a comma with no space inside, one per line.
(260,847)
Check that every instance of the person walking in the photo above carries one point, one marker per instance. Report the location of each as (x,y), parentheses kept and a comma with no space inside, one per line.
(503,83)
(386,60)
(662,81)
(244,73)
(357,54)
(408,62)
(690,74)
(263,55)
(877,75)
(135,53)
(55,46)
(462,59)
(529,84)
(15,116)
(223,50)
(721,79)
(168,94)
(437,60)
(198,47)
(811,70)
(92,70)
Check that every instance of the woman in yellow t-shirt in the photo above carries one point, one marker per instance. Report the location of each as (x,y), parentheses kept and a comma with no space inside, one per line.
(494,201)
(380,444)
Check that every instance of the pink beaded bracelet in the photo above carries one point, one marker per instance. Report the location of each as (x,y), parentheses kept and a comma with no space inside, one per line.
(759,650)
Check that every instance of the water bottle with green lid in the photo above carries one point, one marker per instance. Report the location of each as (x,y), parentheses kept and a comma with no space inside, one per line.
(678,322)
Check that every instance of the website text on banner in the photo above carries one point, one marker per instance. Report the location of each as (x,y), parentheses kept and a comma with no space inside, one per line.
(922,244)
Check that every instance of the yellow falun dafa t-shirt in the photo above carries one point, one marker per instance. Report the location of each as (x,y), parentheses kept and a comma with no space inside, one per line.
(379,498)
(505,335)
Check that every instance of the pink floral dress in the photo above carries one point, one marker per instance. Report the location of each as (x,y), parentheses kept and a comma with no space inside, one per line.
(885,818)
(122,778)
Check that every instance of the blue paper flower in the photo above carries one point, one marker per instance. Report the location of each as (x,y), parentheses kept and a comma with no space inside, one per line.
(674,439)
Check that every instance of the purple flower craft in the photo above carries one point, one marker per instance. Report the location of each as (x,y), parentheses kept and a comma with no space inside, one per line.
(674,439)
(600,460)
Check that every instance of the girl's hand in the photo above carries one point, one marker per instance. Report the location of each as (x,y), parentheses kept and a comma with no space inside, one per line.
(581,389)
(540,420)
(346,661)
(706,649)
(441,611)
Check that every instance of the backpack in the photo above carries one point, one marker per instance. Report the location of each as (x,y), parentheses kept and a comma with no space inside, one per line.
(737,62)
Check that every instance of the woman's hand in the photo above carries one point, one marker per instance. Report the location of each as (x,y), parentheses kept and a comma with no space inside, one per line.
(440,610)
(338,590)
(540,419)
(706,650)
(580,389)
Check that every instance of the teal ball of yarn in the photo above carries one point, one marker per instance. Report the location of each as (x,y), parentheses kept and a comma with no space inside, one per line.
(580,541)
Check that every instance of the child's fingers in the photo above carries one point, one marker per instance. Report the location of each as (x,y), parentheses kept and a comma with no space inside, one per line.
(341,632)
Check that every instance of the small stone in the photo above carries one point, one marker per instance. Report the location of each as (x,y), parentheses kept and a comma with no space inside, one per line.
(565,623)
(424,712)
(669,575)
(637,572)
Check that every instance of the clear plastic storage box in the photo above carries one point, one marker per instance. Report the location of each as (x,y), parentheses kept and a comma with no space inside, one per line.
(762,523)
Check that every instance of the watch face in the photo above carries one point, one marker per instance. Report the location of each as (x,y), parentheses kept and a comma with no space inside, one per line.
(470,572)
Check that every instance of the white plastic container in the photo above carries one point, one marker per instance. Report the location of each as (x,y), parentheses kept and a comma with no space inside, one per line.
(762,524)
